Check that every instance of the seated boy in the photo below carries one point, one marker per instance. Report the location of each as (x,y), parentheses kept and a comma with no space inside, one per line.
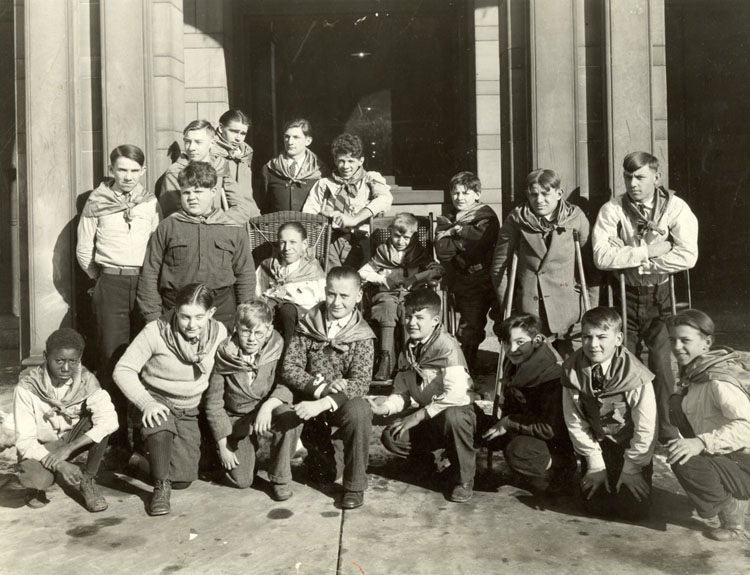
(464,244)
(60,412)
(328,366)
(243,401)
(350,196)
(541,232)
(610,411)
(292,282)
(198,244)
(288,178)
(397,266)
(198,138)
(432,372)
(531,429)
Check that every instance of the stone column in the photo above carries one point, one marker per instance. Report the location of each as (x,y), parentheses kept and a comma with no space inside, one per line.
(487,66)
(47,146)
(636,90)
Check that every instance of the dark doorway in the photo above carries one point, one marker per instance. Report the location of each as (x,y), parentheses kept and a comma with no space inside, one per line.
(395,73)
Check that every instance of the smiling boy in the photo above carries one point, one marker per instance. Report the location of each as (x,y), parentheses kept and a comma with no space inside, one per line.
(60,412)
(328,366)
(647,233)
(432,371)
(464,243)
(540,231)
(113,233)
(610,412)
(291,282)
(288,178)
(198,137)
(350,197)
(198,244)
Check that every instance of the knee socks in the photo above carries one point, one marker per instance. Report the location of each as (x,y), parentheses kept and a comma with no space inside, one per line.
(159,452)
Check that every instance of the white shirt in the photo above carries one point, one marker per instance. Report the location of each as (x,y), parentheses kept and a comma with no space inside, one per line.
(334,326)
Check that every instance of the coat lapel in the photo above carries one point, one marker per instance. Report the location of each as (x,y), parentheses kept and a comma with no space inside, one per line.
(536,242)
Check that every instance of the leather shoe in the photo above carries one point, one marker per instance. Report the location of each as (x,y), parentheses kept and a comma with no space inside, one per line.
(280,491)
(462,492)
(353,499)
(159,504)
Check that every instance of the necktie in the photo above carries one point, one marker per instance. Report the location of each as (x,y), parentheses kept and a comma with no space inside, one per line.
(642,209)
(293,167)
(597,378)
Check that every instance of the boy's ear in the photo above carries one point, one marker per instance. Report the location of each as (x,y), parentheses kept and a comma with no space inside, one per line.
(308,140)
(211,312)
(538,340)
(619,338)
(359,295)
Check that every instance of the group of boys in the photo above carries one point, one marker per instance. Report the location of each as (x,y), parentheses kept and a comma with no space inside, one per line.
(320,370)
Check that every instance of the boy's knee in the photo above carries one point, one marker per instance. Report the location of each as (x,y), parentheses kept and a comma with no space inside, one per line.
(33,475)
(459,417)
(356,409)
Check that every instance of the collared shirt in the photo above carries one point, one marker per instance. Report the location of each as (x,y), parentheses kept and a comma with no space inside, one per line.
(680,226)
(719,414)
(110,241)
(334,326)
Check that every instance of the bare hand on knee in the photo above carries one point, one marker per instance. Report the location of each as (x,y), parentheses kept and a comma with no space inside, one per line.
(154,414)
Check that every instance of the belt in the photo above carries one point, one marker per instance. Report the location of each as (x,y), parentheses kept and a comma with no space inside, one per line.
(121,271)
(644,289)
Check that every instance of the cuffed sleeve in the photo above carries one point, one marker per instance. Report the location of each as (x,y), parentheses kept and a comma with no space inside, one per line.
(580,432)
(27,439)
(86,246)
(642,402)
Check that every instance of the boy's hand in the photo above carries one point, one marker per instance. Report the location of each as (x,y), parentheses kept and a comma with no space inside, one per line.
(228,457)
(263,419)
(308,409)
(338,386)
(337,220)
(377,408)
(658,249)
(54,458)
(69,472)
(681,450)
(592,481)
(636,483)
(154,414)
(495,431)
(348,221)
(405,424)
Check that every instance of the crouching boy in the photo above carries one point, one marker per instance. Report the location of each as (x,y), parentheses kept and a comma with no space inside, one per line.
(328,366)
(531,430)
(60,412)
(243,401)
(433,372)
(610,410)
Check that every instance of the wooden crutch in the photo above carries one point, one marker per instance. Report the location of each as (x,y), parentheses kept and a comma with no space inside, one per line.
(501,355)
(581,274)
(623,307)
(672,298)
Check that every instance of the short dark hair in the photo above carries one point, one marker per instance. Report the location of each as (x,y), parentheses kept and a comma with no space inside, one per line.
(422,298)
(300,123)
(194,294)
(128,151)
(694,318)
(603,318)
(347,144)
(545,179)
(64,338)
(467,179)
(404,222)
(296,226)
(197,174)
(529,323)
(634,161)
(198,125)
(344,273)
(234,116)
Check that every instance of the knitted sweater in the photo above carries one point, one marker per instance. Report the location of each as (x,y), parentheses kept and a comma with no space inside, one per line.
(148,366)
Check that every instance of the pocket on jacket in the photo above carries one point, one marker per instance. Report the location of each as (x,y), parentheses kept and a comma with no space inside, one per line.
(176,255)
(224,253)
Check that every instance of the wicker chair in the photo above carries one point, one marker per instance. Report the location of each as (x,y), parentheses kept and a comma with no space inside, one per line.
(379,234)
(263,232)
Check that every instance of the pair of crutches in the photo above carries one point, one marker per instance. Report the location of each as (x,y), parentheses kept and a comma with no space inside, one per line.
(506,314)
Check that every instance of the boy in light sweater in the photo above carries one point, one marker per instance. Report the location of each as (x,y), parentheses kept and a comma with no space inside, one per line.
(432,372)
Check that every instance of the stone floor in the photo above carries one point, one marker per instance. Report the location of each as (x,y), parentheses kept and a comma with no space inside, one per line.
(406,527)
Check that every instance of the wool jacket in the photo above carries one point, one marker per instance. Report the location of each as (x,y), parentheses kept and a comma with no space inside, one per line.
(469,245)
(181,252)
(435,376)
(149,367)
(237,387)
(347,357)
(624,412)
(40,418)
(675,222)
(547,274)
(283,192)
